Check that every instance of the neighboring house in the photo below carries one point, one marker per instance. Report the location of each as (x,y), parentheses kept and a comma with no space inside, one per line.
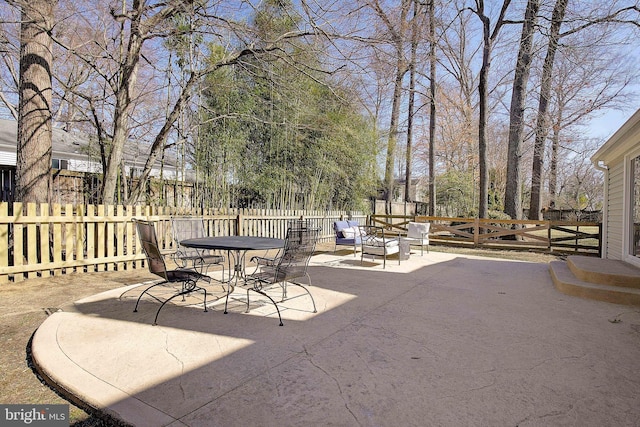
(619,158)
(417,189)
(73,152)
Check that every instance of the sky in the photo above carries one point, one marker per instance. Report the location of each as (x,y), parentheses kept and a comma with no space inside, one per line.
(606,125)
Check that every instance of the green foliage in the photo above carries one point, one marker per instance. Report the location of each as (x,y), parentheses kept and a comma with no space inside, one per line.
(274,18)
(454,191)
(494,214)
(272,136)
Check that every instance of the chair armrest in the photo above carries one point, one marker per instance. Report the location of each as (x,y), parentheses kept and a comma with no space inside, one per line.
(168,252)
(270,262)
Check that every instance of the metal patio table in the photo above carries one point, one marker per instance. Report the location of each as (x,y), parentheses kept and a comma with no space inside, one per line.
(237,248)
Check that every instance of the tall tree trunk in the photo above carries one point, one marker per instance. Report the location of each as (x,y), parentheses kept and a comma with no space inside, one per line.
(397,29)
(124,87)
(393,134)
(482,130)
(124,91)
(33,167)
(432,108)
(512,198)
(553,173)
(557,17)
(488,37)
(412,96)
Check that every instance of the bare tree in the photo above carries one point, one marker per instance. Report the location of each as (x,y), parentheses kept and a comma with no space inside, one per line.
(580,185)
(584,84)
(488,38)
(617,16)
(10,53)
(397,29)
(512,198)
(141,29)
(432,106)
(34,108)
(412,96)
(541,125)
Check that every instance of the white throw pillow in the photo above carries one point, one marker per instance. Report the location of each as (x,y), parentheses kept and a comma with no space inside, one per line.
(348,233)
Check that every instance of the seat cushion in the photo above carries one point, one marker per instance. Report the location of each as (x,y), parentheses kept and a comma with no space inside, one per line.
(416,240)
(381,250)
(379,242)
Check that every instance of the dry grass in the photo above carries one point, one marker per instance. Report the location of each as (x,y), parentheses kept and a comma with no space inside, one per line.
(530,256)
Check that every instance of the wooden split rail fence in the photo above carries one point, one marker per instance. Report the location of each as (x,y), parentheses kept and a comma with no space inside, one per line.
(550,236)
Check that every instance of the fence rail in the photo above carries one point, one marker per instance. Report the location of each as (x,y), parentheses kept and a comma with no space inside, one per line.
(40,240)
(550,236)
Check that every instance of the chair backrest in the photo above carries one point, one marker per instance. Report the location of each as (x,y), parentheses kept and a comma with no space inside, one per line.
(187,228)
(372,235)
(149,241)
(418,229)
(298,223)
(341,225)
(299,246)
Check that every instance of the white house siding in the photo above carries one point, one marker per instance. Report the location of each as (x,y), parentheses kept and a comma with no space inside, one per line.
(8,158)
(84,166)
(615,219)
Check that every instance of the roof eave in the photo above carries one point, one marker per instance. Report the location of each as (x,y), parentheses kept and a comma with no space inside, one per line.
(616,145)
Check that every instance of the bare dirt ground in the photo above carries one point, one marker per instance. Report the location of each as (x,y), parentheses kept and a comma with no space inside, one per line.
(25,305)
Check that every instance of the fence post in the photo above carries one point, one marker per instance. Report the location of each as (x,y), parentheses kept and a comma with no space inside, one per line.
(4,241)
(600,239)
(238,227)
(476,231)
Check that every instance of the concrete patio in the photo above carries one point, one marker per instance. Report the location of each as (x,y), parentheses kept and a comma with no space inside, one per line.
(441,340)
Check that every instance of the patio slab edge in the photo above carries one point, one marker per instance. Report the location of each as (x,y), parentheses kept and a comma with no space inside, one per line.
(80,387)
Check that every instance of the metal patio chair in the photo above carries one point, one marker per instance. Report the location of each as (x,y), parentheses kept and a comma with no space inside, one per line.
(191,258)
(374,242)
(156,264)
(289,268)
(273,261)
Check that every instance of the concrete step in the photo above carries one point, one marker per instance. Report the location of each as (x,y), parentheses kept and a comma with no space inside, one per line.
(567,283)
(604,271)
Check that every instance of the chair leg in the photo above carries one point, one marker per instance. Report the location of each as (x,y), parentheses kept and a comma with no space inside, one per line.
(155,320)
(185,290)
(135,309)
(226,301)
(315,310)
(262,293)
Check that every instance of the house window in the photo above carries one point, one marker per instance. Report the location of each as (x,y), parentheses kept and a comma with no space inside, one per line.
(635,206)
(59,164)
